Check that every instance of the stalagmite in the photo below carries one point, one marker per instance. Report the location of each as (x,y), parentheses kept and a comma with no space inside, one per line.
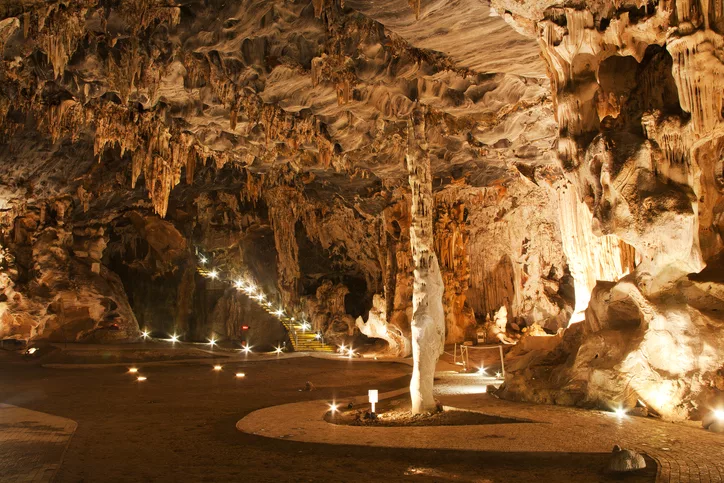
(428,317)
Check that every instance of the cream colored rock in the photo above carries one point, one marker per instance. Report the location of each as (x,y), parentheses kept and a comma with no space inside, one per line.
(377,327)
(428,317)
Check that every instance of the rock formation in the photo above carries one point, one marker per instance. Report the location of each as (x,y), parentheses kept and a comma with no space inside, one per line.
(638,104)
(575,163)
(428,327)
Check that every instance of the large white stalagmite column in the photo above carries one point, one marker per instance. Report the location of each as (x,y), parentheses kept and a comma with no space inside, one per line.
(428,317)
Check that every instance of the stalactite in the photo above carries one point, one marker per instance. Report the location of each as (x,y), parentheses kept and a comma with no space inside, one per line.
(415,6)
(283,219)
(451,246)
(61,32)
(141,14)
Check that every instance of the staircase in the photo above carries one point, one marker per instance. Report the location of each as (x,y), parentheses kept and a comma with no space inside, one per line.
(303,340)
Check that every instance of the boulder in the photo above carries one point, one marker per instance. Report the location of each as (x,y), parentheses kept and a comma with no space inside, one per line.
(624,460)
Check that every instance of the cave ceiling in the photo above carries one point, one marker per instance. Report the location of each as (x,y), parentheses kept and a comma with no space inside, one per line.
(113,96)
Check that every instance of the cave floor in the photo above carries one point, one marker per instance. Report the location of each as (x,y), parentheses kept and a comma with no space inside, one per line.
(179,425)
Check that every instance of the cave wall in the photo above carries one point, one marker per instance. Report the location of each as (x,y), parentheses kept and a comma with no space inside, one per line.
(638,100)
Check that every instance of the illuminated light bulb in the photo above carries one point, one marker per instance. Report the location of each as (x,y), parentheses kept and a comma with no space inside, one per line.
(246,349)
(240,375)
(213,274)
(719,414)
(278,350)
(318,336)
(217,367)
(481,371)
(212,342)
(350,352)
(620,413)
(32,350)
(141,378)
(145,334)
(279,313)
(202,259)
(333,407)
(133,370)
(498,375)
(174,338)
(305,326)
(239,284)
(251,288)
(342,348)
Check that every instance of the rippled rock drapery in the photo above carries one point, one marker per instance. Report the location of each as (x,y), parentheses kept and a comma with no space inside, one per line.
(638,95)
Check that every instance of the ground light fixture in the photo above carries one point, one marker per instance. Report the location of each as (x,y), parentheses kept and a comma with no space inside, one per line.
(278,349)
(141,378)
(133,370)
(333,407)
(373,395)
(498,375)
(145,334)
(239,375)
(246,349)
(212,342)
(481,371)
(217,367)
(620,412)
(213,274)
(174,338)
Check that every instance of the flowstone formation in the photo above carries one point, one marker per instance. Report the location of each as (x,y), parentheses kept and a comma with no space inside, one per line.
(638,101)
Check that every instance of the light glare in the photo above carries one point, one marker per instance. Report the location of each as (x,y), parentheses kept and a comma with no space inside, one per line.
(217,367)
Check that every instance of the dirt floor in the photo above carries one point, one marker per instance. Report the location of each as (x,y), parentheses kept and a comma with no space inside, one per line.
(179,426)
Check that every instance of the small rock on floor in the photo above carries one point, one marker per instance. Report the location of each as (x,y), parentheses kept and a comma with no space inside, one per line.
(623,460)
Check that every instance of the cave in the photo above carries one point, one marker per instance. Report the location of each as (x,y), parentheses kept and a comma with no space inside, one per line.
(524,195)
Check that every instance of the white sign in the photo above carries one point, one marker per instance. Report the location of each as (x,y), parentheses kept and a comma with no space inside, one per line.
(373,395)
